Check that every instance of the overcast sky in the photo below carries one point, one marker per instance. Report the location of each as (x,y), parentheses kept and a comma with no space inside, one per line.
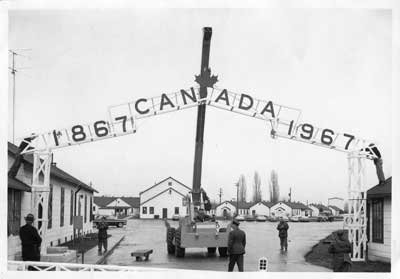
(335,65)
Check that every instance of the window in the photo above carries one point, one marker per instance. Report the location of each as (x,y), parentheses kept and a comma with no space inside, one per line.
(50,208)
(169,183)
(144,210)
(62,207)
(85,211)
(91,209)
(377,220)
(151,210)
(71,208)
(176,210)
(14,212)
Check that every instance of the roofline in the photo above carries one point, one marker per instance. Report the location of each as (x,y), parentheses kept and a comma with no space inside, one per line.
(170,188)
(151,187)
(80,183)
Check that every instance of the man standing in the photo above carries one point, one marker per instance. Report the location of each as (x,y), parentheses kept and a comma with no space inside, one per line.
(236,245)
(30,240)
(102,234)
(283,234)
(340,248)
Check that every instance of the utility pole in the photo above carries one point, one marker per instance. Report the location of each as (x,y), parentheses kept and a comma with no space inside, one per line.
(290,194)
(237,198)
(13,72)
(220,195)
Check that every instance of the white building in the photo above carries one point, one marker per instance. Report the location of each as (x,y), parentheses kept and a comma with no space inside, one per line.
(318,209)
(116,206)
(314,210)
(63,187)
(163,200)
(336,211)
(261,208)
(379,212)
(290,209)
(225,209)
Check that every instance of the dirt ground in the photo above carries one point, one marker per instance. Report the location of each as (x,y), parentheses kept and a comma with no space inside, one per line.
(319,256)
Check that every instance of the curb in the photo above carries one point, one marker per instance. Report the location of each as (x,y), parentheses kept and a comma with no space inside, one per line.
(103,258)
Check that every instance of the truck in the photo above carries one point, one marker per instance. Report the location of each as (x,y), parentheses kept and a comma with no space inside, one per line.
(110,221)
(195,230)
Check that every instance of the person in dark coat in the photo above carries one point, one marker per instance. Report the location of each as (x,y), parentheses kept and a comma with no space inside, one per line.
(283,233)
(340,248)
(236,246)
(102,234)
(30,240)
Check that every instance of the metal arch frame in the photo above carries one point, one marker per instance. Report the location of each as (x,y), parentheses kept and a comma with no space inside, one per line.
(40,192)
(355,222)
(51,266)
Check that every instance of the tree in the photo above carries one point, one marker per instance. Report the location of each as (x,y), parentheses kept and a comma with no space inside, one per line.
(242,188)
(274,187)
(257,188)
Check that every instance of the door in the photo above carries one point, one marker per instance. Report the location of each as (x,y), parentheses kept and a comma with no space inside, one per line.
(164,213)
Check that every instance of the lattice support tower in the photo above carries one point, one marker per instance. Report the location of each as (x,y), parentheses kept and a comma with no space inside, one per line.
(355,222)
(40,192)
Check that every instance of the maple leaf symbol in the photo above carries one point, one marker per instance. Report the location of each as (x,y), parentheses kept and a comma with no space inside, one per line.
(205,79)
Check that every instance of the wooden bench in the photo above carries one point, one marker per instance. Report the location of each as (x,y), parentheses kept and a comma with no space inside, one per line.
(142,253)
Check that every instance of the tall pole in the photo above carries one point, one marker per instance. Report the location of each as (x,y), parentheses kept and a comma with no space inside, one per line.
(204,81)
(237,198)
(220,195)
(13,71)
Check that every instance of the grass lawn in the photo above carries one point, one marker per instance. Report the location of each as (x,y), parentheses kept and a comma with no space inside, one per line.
(84,244)
(319,256)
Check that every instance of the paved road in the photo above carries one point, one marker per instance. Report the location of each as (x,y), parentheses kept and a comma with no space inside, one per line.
(262,241)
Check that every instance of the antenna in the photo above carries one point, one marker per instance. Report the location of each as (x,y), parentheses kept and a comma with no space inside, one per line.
(13,72)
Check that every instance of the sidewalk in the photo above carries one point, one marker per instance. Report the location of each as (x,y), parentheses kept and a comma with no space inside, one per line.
(92,256)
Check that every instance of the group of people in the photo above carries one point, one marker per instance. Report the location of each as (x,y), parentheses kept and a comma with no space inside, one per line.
(340,247)
(237,243)
(31,240)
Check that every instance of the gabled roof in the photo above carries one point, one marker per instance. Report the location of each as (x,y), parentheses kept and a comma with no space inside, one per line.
(320,206)
(297,205)
(266,203)
(17,184)
(168,189)
(103,201)
(151,187)
(54,170)
(132,201)
(242,205)
(381,190)
(334,207)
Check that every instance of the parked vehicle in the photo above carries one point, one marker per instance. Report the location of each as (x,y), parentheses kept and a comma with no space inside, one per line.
(273,219)
(304,219)
(294,218)
(111,221)
(250,218)
(285,218)
(175,217)
(261,218)
(240,218)
(313,218)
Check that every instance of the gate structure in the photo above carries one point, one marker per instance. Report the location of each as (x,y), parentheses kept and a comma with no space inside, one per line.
(282,121)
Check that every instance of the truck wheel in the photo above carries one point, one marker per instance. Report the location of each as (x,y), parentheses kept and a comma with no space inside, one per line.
(179,251)
(119,225)
(211,250)
(223,251)
(170,240)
